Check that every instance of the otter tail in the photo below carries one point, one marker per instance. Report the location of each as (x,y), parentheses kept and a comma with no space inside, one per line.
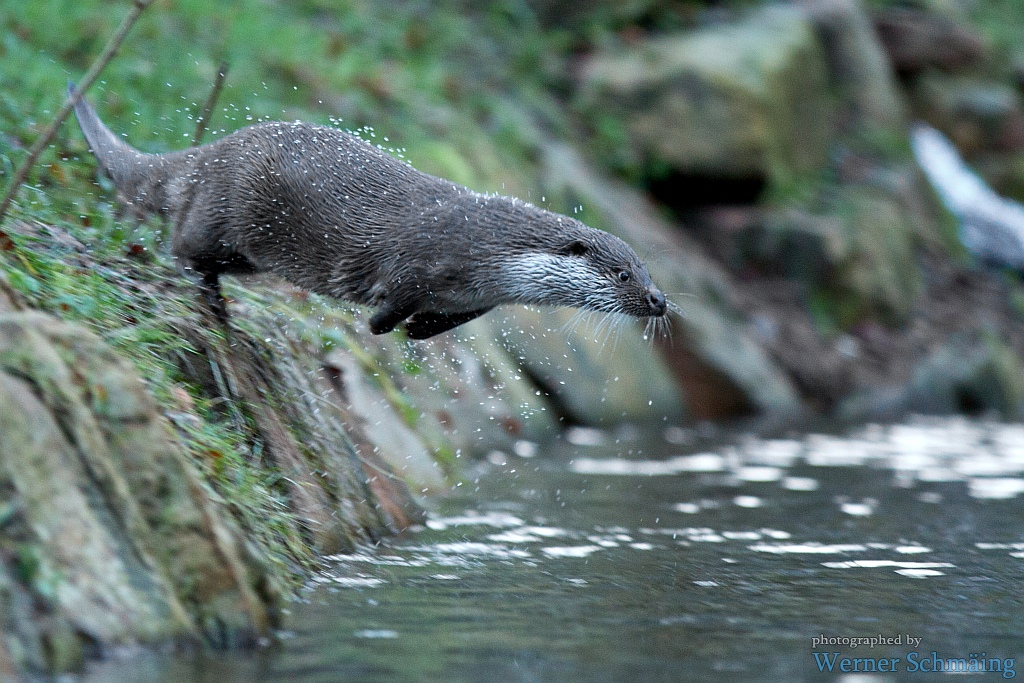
(136,175)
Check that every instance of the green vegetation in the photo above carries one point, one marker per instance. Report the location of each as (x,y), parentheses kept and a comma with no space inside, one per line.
(127,302)
(999,21)
(412,74)
(457,94)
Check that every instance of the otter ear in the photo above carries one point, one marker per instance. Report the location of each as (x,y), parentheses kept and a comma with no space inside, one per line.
(575,248)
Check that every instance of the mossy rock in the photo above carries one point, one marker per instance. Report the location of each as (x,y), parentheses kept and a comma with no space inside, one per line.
(712,353)
(127,545)
(749,99)
(970,375)
(597,372)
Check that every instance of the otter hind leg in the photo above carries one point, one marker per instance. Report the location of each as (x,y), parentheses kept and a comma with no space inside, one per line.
(427,324)
(209,272)
(209,285)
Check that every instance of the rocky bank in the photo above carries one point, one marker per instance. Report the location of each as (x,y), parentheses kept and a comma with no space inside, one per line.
(164,479)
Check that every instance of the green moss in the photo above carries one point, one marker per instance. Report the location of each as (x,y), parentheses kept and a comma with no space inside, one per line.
(249,490)
(114,296)
(1003,376)
(28,564)
(446,457)
(1015,289)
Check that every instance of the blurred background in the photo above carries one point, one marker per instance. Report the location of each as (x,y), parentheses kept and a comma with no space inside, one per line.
(756,153)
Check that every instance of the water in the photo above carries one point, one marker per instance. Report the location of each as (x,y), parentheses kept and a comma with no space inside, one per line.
(686,559)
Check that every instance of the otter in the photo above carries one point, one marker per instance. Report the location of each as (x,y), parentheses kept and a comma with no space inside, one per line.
(335,215)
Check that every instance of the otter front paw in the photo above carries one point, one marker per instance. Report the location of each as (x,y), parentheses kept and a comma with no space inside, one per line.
(389,315)
(382,324)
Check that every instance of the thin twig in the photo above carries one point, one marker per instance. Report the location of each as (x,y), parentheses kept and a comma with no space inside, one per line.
(204,118)
(73,97)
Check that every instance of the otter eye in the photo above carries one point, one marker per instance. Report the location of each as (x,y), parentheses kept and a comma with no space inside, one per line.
(576,249)
(624,276)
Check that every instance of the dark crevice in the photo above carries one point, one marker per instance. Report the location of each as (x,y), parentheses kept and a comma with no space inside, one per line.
(684,193)
(969,401)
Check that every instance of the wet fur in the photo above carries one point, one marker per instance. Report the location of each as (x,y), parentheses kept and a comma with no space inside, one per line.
(337,216)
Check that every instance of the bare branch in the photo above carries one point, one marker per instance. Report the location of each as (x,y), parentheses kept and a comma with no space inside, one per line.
(138,7)
(204,118)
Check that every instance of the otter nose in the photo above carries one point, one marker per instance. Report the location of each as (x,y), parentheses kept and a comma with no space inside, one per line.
(656,302)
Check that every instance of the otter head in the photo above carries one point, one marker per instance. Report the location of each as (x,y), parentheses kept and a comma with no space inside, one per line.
(579,266)
(610,275)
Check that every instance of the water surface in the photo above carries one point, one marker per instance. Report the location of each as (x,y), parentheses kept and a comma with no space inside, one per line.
(677,556)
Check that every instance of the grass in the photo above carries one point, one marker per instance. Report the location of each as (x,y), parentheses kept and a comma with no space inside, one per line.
(427,79)
(135,307)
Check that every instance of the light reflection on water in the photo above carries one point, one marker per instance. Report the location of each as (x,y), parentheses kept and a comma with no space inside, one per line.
(610,559)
